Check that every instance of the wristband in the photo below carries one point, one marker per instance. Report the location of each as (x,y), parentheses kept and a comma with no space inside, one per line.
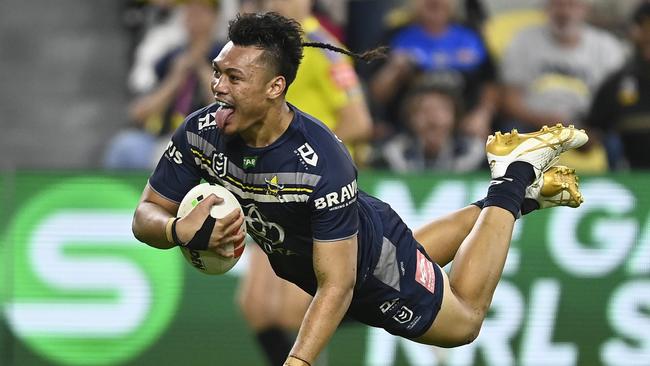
(201,237)
(168,230)
(175,239)
(300,359)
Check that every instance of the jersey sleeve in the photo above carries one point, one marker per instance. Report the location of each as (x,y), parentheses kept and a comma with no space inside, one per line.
(176,172)
(334,210)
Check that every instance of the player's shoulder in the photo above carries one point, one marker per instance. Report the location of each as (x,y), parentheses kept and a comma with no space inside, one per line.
(202,119)
(318,146)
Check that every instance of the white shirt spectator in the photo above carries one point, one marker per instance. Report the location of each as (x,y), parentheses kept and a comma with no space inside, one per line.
(556,78)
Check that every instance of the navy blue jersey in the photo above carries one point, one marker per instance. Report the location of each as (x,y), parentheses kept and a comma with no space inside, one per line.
(301,188)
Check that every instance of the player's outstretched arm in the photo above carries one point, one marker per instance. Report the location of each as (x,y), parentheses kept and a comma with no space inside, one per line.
(335,265)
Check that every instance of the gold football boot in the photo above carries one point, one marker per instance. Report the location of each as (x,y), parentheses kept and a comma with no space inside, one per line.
(541,149)
(558,186)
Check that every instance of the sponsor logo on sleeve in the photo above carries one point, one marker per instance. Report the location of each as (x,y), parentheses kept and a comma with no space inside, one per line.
(173,154)
(338,199)
(209,120)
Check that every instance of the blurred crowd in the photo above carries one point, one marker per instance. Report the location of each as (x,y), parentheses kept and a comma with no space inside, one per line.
(455,72)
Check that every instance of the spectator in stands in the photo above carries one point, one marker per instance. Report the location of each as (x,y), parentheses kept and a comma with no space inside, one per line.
(432,141)
(327,87)
(432,43)
(157,27)
(622,104)
(183,85)
(551,71)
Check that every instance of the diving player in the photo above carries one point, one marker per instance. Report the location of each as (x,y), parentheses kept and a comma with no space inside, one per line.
(298,190)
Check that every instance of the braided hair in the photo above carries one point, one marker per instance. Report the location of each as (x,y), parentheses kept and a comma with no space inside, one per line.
(367,56)
(281,39)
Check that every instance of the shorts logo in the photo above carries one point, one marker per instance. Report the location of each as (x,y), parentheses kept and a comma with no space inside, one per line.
(220,164)
(388,305)
(424,272)
(404,315)
(308,154)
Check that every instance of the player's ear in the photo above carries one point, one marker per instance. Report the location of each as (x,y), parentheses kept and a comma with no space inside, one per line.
(276,86)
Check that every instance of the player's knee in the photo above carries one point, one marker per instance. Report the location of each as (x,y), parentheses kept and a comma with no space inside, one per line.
(468,329)
(471,335)
(256,314)
(461,337)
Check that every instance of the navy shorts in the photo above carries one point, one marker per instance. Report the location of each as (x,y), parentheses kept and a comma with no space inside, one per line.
(403,293)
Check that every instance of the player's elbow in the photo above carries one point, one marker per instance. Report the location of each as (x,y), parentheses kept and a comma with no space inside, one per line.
(136,227)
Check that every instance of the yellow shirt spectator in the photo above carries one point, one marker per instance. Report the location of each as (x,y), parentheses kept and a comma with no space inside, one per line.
(326,81)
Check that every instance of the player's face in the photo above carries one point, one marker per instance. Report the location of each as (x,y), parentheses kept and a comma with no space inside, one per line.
(242,85)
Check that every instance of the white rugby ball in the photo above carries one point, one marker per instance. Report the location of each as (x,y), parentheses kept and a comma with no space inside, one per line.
(207,261)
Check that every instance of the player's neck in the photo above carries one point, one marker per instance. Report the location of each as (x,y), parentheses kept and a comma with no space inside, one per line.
(269,128)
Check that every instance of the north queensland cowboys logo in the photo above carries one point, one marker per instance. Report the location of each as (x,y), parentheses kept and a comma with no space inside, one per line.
(220,164)
(272,186)
(209,120)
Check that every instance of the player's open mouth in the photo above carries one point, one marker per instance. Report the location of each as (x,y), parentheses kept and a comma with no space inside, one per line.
(223,104)
(224,112)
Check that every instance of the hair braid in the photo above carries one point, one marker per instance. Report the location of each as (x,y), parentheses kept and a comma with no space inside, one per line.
(367,56)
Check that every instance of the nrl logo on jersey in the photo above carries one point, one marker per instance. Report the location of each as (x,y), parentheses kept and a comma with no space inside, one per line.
(220,164)
(209,120)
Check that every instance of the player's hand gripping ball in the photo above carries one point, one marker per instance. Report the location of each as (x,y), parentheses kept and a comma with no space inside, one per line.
(208,261)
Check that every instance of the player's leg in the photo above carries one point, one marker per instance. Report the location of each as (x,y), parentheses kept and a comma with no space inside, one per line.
(473,278)
(517,163)
(260,300)
(442,237)
(294,304)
